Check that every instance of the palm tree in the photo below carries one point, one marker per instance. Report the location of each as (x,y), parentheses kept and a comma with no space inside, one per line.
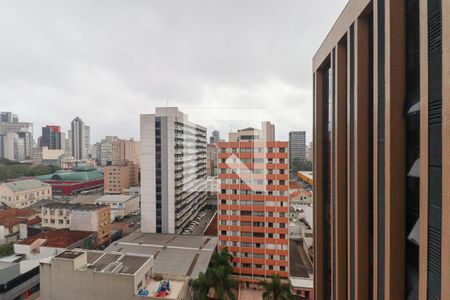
(217,277)
(276,290)
(202,285)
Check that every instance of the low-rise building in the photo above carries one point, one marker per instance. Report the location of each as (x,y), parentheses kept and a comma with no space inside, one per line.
(53,242)
(120,177)
(23,193)
(77,217)
(136,267)
(121,205)
(96,218)
(98,275)
(14,223)
(19,278)
(181,256)
(56,215)
(79,179)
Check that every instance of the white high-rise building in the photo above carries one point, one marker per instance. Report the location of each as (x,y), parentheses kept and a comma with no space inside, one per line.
(173,170)
(68,143)
(80,139)
(22,143)
(87,141)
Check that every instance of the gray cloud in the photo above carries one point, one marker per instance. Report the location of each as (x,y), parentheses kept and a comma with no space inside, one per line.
(109,61)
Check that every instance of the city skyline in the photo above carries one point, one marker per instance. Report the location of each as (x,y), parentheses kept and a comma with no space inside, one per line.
(112,74)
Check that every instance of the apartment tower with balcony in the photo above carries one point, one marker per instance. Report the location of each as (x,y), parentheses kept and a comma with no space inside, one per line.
(382,152)
(173,170)
(253,205)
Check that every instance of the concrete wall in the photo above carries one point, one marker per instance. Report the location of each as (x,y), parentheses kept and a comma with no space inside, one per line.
(87,284)
(148,196)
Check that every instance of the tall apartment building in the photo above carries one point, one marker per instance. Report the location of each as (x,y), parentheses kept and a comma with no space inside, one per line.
(105,150)
(52,137)
(126,150)
(68,144)
(215,137)
(173,170)
(267,131)
(16,138)
(80,139)
(211,160)
(382,152)
(120,177)
(310,152)
(297,145)
(253,207)
(8,117)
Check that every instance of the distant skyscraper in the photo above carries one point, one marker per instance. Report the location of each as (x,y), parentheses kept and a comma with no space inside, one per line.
(310,152)
(87,141)
(297,146)
(267,131)
(126,150)
(68,144)
(106,150)
(8,117)
(23,136)
(215,137)
(173,170)
(52,137)
(80,139)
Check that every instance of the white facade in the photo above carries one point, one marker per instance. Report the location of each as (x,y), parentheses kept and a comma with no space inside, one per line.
(80,139)
(173,170)
(121,205)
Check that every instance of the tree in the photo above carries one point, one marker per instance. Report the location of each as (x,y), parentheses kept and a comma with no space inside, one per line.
(6,249)
(13,170)
(300,165)
(202,285)
(276,290)
(217,278)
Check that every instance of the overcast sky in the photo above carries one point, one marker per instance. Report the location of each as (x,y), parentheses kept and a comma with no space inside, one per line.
(228,64)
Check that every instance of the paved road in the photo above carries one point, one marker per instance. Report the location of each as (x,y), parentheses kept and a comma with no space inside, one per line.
(203,223)
(124,224)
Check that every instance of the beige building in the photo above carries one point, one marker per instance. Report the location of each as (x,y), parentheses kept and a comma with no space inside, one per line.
(120,177)
(96,218)
(23,193)
(266,133)
(56,215)
(98,275)
(126,150)
(76,217)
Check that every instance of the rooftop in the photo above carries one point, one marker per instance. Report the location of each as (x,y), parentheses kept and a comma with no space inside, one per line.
(76,206)
(299,264)
(59,238)
(14,216)
(86,199)
(79,173)
(176,255)
(109,261)
(114,198)
(26,185)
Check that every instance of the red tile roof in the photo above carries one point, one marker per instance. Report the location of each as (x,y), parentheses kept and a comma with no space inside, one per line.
(14,216)
(294,185)
(59,238)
